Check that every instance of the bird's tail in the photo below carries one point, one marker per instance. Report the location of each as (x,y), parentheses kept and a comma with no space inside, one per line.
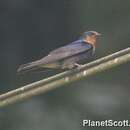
(28,67)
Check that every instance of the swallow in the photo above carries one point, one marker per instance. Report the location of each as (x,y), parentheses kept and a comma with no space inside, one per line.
(68,56)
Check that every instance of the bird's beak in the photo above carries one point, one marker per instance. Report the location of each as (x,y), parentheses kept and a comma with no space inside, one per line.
(98,34)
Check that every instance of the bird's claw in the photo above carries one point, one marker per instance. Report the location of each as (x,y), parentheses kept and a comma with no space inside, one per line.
(79,66)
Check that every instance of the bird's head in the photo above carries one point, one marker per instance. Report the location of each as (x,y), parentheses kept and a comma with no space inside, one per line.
(90,37)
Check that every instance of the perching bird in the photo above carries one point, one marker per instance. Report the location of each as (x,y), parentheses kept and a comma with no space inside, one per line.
(68,56)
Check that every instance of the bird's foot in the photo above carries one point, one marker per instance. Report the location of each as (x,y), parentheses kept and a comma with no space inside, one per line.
(78,66)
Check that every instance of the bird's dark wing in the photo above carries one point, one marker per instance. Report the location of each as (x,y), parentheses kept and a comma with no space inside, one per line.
(66,51)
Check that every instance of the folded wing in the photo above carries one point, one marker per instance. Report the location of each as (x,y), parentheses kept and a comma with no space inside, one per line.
(66,51)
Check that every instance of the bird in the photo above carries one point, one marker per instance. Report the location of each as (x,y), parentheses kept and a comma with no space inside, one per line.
(68,56)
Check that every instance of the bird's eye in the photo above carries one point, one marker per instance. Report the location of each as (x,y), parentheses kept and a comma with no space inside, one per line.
(93,34)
